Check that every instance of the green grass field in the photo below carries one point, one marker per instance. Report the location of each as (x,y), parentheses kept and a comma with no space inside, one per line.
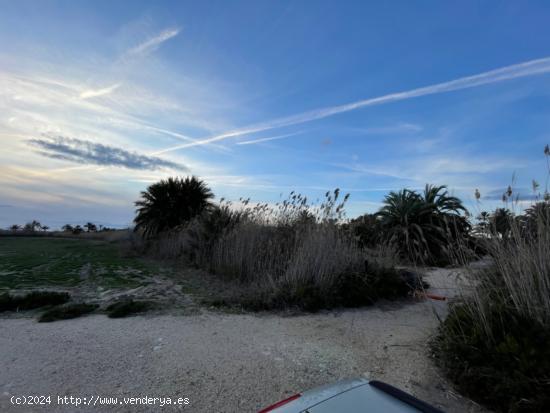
(27,262)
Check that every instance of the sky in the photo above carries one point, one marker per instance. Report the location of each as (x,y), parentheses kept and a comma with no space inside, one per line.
(99,99)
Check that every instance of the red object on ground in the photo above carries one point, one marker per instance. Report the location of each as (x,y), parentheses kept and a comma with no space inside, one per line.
(436,297)
(279,404)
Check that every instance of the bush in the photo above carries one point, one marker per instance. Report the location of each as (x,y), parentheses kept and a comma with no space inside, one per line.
(127,307)
(67,312)
(495,343)
(291,255)
(367,229)
(508,371)
(349,290)
(32,300)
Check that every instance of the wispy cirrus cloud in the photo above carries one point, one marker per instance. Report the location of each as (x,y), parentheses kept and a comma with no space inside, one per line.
(519,70)
(92,93)
(87,152)
(391,129)
(151,44)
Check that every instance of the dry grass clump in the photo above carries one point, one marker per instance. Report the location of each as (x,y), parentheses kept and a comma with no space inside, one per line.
(293,254)
(495,343)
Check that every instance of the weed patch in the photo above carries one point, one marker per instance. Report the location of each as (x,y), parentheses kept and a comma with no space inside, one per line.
(59,262)
(32,300)
(506,368)
(126,308)
(349,290)
(67,312)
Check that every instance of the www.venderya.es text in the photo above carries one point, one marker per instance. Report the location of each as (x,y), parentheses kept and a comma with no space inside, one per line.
(95,400)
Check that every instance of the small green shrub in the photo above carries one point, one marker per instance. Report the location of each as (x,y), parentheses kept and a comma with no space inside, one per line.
(127,307)
(355,289)
(67,312)
(351,289)
(307,297)
(32,300)
(509,371)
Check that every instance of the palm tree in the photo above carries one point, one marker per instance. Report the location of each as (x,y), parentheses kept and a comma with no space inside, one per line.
(484,218)
(501,222)
(406,218)
(536,218)
(32,226)
(423,225)
(90,227)
(442,202)
(170,203)
(446,211)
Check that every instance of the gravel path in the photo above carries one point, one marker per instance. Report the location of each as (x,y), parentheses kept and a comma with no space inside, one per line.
(222,362)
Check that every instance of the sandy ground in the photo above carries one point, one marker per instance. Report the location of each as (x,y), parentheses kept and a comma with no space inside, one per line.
(224,362)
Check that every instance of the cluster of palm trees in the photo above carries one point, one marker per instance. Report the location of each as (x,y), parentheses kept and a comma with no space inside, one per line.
(420,224)
(424,225)
(77,229)
(502,221)
(32,226)
(35,226)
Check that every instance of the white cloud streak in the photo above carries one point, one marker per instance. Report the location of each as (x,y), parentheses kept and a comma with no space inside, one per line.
(151,44)
(383,130)
(272,138)
(524,69)
(91,93)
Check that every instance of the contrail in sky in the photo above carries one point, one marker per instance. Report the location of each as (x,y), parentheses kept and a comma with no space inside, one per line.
(271,138)
(519,70)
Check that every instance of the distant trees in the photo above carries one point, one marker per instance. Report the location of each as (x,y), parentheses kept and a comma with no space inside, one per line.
(170,203)
(500,222)
(536,214)
(77,229)
(90,227)
(35,226)
(32,226)
(484,218)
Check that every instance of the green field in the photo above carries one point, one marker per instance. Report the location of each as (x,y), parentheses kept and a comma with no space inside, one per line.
(27,262)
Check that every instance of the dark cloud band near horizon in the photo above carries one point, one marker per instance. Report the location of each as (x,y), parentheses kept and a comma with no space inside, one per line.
(87,152)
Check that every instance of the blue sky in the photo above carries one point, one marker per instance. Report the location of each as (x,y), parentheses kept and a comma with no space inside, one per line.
(99,99)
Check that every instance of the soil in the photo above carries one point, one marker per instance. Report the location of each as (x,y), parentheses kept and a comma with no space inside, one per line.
(226,362)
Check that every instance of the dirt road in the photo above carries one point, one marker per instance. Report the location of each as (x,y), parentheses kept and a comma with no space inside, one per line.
(222,362)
